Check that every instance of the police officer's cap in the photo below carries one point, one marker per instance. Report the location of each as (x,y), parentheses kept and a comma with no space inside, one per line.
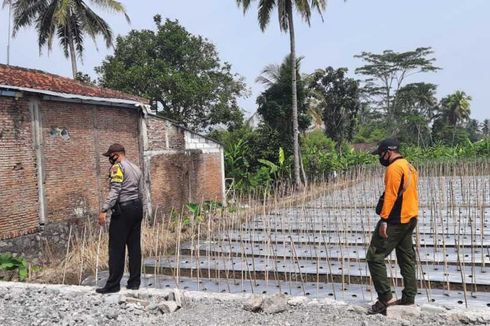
(114,148)
(389,144)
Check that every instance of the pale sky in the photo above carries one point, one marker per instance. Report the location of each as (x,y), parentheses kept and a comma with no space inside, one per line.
(458,31)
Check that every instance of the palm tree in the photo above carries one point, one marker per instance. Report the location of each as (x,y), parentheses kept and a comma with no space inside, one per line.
(286,23)
(9,4)
(269,75)
(456,109)
(69,20)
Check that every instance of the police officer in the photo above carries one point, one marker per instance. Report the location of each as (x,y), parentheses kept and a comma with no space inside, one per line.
(398,210)
(125,201)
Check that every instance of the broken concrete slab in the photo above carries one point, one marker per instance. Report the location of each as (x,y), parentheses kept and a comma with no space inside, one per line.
(140,302)
(254,303)
(403,313)
(167,307)
(275,304)
(433,309)
(297,301)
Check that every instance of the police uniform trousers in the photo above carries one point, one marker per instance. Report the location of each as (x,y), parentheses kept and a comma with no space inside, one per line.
(125,231)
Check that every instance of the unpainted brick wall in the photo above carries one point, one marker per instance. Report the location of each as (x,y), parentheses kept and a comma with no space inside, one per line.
(18,183)
(169,182)
(208,177)
(74,136)
(76,173)
(163,135)
(180,176)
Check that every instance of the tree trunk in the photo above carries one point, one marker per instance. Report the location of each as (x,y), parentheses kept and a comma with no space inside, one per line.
(73,55)
(297,176)
(9,36)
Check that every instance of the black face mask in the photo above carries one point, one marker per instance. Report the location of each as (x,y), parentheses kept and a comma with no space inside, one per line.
(113,159)
(383,161)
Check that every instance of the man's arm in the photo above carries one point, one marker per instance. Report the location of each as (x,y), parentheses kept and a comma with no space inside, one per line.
(393,179)
(117,178)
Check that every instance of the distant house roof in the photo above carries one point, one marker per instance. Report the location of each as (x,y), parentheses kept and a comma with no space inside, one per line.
(364,147)
(18,78)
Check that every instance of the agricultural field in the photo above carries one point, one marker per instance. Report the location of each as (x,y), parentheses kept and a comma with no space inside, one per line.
(316,246)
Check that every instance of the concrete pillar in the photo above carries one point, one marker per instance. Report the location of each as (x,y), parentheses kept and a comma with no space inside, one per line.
(38,144)
(145,159)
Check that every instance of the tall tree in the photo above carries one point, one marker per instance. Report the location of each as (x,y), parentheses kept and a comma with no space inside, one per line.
(275,107)
(69,20)
(286,9)
(339,99)
(455,109)
(485,128)
(9,4)
(416,107)
(179,72)
(387,72)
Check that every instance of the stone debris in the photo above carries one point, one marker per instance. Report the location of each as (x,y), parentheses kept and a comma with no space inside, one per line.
(112,299)
(296,301)
(275,304)
(254,304)
(140,302)
(403,313)
(167,307)
(31,304)
(433,309)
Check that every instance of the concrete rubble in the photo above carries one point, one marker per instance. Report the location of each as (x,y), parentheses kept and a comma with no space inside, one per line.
(34,304)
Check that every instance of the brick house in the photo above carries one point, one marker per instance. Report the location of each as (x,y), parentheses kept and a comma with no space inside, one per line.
(53,131)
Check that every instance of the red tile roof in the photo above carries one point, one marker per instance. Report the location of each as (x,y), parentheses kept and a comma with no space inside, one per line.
(40,80)
(364,147)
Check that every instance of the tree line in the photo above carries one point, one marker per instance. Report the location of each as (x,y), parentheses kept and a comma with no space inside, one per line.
(185,80)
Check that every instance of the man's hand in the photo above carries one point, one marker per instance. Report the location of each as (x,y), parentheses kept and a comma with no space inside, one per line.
(383,227)
(102,218)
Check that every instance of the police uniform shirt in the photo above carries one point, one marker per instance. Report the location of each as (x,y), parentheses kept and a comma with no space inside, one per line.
(126,184)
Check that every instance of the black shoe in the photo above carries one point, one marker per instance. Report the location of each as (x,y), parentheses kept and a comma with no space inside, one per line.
(380,307)
(134,287)
(105,290)
(404,302)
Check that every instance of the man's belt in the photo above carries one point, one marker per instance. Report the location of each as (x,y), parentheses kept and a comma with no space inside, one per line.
(130,202)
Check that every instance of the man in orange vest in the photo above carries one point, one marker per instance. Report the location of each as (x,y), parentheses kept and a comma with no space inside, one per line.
(398,209)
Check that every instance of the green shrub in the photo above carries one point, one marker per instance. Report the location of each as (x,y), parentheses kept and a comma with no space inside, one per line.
(9,263)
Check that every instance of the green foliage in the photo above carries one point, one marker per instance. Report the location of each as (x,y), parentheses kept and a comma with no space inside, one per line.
(370,133)
(321,158)
(416,107)
(285,9)
(386,74)
(179,72)
(68,20)
(455,108)
(467,150)
(338,98)
(9,262)
(275,104)
(197,213)
(85,79)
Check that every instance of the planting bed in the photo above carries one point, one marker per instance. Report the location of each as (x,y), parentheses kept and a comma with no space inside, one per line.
(318,247)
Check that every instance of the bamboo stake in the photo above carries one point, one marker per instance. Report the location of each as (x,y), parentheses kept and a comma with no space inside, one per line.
(66,255)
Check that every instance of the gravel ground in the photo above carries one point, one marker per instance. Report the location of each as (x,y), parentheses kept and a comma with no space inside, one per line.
(32,304)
